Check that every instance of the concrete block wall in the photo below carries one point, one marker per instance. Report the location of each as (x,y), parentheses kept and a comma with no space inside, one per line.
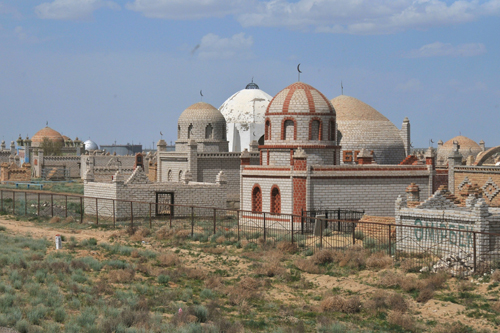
(284,184)
(68,162)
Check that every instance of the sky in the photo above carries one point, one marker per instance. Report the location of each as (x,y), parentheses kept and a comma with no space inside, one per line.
(123,71)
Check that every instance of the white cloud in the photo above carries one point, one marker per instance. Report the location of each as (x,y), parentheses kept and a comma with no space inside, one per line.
(215,47)
(186,9)
(366,16)
(411,85)
(71,9)
(439,49)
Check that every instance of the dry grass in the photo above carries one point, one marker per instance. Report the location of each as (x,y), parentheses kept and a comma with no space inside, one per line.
(194,273)
(465,286)
(69,220)
(382,300)
(287,247)
(55,219)
(341,304)
(215,250)
(389,279)
(213,282)
(456,327)
(168,260)
(220,239)
(354,257)
(244,243)
(496,307)
(496,275)
(424,295)
(404,320)
(181,234)
(270,269)
(140,234)
(135,254)
(322,257)
(248,288)
(121,275)
(164,233)
(308,266)
(379,260)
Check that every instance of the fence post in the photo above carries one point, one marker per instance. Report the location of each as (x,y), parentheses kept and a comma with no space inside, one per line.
(38,207)
(52,205)
(338,217)
(13,203)
(475,253)
(114,215)
(171,213)
(238,223)
(353,234)
(1,198)
(150,217)
(291,220)
(96,211)
(390,243)
(215,220)
(131,215)
(66,206)
(192,221)
(302,221)
(81,208)
(25,204)
(264,226)
(322,223)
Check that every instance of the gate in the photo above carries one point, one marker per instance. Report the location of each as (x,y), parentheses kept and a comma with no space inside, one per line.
(164,202)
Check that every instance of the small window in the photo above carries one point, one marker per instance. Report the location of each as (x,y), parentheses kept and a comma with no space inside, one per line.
(267,134)
(315,131)
(289,130)
(190,131)
(178,132)
(180,175)
(169,177)
(209,132)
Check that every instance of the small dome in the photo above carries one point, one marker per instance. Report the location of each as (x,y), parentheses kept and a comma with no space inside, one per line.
(463,141)
(300,97)
(467,147)
(252,85)
(49,133)
(201,111)
(90,145)
(361,126)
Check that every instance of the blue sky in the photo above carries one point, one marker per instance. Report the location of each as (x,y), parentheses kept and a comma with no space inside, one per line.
(125,70)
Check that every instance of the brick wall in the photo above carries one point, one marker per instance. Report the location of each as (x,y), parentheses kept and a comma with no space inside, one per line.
(487,178)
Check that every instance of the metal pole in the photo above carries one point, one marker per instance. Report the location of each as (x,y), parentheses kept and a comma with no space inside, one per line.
(264,226)
(13,203)
(96,212)
(81,209)
(302,221)
(321,235)
(338,216)
(1,198)
(52,205)
(215,220)
(353,234)
(291,219)
(192,221)
(66,206)
(131,215)
(114,215)
(475,253)
(38,207)
(390,243)
(25,204)
(238,222)
(150,216)
(171,213)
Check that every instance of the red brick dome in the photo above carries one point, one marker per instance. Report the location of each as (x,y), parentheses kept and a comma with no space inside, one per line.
(301,98)
(49,133)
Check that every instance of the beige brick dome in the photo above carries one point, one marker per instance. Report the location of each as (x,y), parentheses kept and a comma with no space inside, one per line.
(467,147)
(201,111)
(361,126)
(300,97)
(48,133)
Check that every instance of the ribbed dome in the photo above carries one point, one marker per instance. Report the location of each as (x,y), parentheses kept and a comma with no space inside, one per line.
(300,97)
(201,111)
(48,133)
(361,126)
(463,141)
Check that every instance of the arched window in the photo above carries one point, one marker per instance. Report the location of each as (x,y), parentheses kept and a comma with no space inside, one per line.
(224,132)
(256,199)
(315,130)
(209,132)
(275,200)
(169,175)
(178,131)
(289,130)
(331,130)
(267,134)
(190,131)
(180,175)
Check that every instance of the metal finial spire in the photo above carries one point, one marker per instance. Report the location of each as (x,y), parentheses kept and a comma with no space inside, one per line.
(252,79)
(201,94)
(341,87)
(47,123)
(298,70)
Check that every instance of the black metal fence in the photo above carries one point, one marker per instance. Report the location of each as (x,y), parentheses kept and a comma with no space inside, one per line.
(415,248)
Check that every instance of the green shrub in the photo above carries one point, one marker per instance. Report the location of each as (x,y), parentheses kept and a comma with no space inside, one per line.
(187,294)
(78,276)
(201,313)
(359,235)
(74,303)
(207,294)
(251,246)
(86,318)
(59,315)
(2,228)
(6,301)
(93,263)
(41,275)
(91,242)
(23,326)
(163,279)
(37,314)
(120,264)
(332,328)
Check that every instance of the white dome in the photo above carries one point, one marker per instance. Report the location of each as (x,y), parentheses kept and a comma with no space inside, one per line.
(90,145)
(244,113)
(246,106)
